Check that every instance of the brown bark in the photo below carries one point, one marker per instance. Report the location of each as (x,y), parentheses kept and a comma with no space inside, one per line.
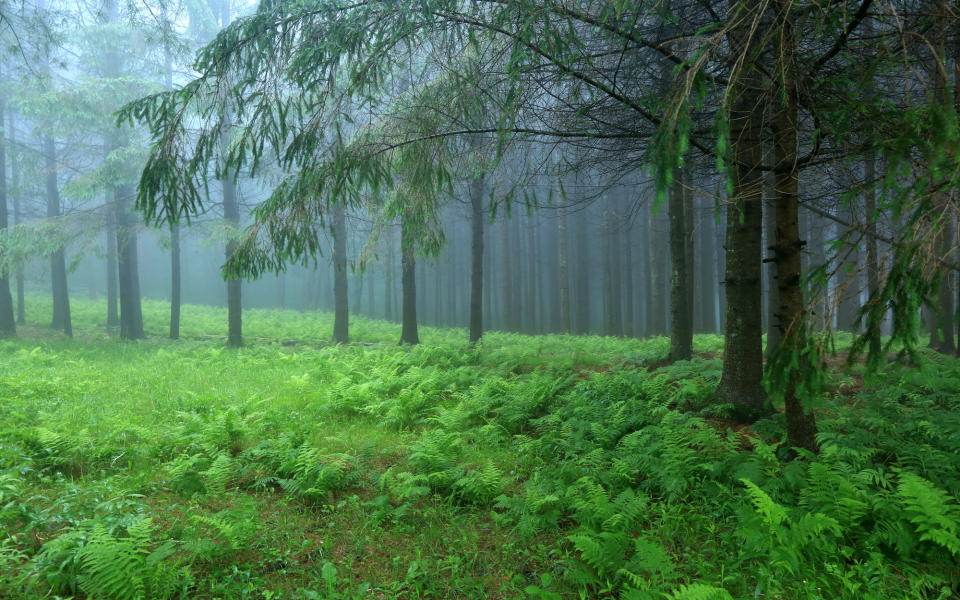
(741,380)
(801,423)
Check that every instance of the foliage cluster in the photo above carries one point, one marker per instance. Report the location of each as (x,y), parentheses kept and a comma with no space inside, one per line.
(543,467)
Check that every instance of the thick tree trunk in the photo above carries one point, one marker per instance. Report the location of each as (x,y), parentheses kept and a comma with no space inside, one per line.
(131,314)
(341,311)
(741,380)
(58,261)
(408,326)
(175,291)
(792,321)
(8,324)
(476,259)
(681,311)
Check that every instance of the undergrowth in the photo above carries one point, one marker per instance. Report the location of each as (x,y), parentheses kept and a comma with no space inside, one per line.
(542,467)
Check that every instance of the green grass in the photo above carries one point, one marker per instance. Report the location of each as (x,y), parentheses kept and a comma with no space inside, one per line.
(540,467)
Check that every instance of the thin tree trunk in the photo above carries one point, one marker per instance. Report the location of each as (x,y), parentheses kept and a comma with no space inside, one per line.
(113,312)
(341,310)
(532,260)
(681,312)
(507,288)
(17,219)
(583,273)
(630,323)
(8,324)
(388,277)
(175,289)
(231,214)
(658,276)
(613,316)
(175,273)
(408,327)
(563,273)
(873,258)
(770,229)
(742,376)
(646,276)
(58,261)
(476,258)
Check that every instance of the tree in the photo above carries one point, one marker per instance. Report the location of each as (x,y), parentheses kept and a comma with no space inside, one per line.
(341,310)
(741,383)
(8,324)
(477,216)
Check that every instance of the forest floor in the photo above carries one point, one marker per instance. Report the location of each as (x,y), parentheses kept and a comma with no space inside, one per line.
(530,467)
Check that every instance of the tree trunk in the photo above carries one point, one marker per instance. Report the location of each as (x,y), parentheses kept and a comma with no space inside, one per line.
(646,275)
(175,292)
(8,324)
(658,276)
(476,259)
(507,288)
(563,273)
(231,213)
(113,312)
(583,273)
(58,261)
(629,310)
(770,229)
(17,219)
(706,271)
(533,288)
(175,274)
(341,311)
(741,380)
(681,312)
(408,327)
(791,358)
(131,314)
(873,258)
(388,278)
(613,318)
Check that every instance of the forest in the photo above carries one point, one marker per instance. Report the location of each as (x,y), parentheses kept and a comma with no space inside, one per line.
(539,299)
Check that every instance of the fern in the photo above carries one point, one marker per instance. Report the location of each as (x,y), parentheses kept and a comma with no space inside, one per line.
(935,516)
(699,591)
